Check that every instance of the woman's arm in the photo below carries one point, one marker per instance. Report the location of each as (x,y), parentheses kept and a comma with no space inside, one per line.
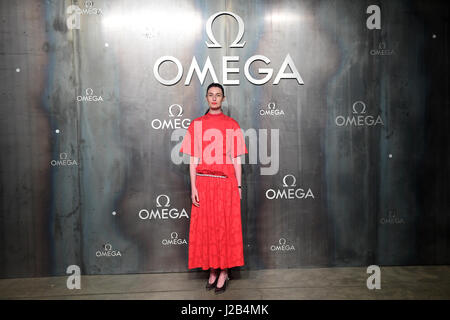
(192,166)
(194,194)
(238,171)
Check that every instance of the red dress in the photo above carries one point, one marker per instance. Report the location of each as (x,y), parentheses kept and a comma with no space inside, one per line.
(215,232)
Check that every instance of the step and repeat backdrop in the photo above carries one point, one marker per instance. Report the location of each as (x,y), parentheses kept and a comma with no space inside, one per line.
(344,106)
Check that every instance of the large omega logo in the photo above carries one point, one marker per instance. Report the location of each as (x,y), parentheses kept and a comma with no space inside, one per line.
(202,72)
(209,32)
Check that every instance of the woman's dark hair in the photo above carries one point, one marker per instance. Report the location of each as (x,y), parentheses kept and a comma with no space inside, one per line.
(217,85)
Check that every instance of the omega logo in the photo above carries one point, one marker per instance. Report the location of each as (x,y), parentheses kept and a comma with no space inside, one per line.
(174,240)
(89,96)
(359,119)
(167,203)
(382,51)
(289,191)
(363,107)
(176,123)
(163,211)
(282,246)
(209,32)
(226,69)
(108,251)
(63,161)
(272,110)
(293,182)
(180,109)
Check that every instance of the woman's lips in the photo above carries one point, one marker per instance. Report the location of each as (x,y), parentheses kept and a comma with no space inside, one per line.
(214,103)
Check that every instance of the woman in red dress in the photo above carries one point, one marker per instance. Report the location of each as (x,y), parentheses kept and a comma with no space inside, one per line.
(215,142)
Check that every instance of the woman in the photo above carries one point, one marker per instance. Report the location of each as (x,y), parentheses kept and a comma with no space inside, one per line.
(215,142)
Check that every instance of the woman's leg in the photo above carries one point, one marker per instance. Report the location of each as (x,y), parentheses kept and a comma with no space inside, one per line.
(222,277)
(212,276)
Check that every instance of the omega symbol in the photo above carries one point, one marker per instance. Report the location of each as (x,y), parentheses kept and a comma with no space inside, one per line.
(180,109)
(167,203)
(209,32)
(363,107)
(293,182)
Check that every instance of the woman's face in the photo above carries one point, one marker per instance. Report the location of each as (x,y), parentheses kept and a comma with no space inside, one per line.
(214,98)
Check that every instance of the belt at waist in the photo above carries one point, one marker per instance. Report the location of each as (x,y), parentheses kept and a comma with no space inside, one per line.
(210,175)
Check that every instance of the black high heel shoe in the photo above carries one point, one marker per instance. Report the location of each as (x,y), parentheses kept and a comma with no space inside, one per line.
(223,288)
(209,286)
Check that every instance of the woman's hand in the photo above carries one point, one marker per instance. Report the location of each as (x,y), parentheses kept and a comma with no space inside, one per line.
(194,197)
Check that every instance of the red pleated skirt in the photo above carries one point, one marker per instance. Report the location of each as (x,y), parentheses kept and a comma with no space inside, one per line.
(215,231)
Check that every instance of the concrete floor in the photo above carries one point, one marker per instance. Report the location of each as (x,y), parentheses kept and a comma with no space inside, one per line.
(403,282)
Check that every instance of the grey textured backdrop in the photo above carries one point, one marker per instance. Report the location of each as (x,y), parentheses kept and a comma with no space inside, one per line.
(75,197)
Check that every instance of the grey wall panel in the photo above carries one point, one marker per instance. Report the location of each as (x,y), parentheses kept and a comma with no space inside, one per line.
(77,196)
